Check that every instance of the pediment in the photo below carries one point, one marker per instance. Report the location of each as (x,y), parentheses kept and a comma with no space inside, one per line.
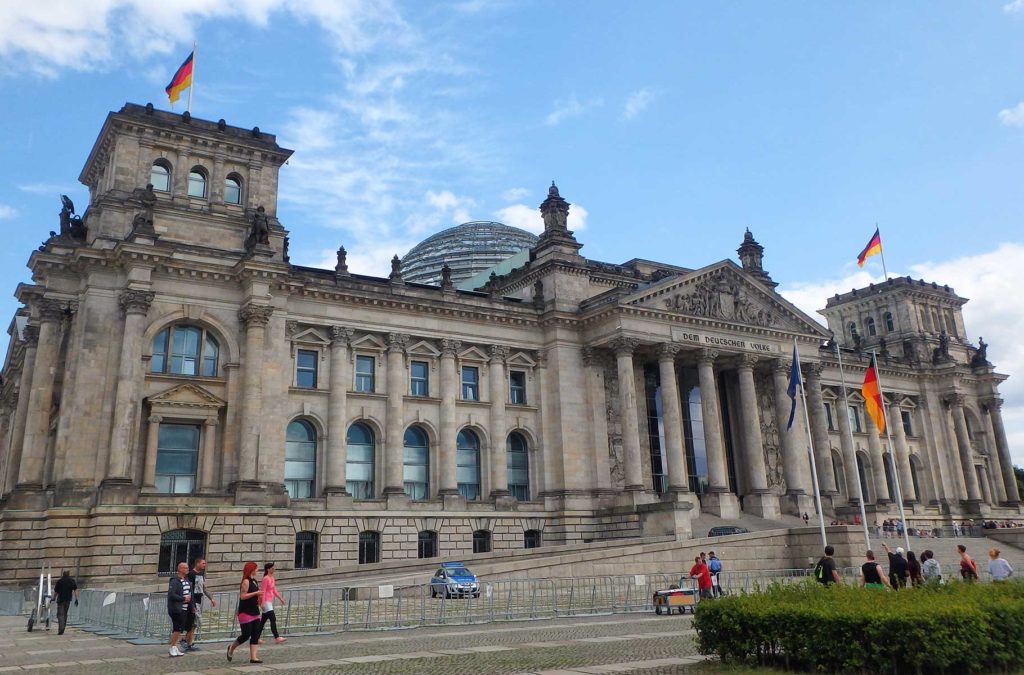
(313,336)
(521,360)
(723,292)
(472,354)
(368,341)
(423,348)
(186,396)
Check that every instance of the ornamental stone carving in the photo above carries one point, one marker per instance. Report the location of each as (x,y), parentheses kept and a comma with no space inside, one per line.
(955,400)
(498,353)
(450,347)
(291,328)
(397,342)
(51,310)
(721,296)
(747,361)
(136,302)
(667,351)
(993,404)
(342,335)
(254,316)
(30,335)
(707,355)
(624,346)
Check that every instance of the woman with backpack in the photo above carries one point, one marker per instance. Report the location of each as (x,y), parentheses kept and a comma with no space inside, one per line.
(968,568)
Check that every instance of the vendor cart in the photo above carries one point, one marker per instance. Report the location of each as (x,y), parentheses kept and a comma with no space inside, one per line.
(685,595)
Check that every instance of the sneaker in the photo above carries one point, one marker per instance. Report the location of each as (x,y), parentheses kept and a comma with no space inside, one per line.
(193,648)
(173,651)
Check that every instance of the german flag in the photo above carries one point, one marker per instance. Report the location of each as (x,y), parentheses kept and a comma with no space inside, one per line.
(874,246)
(181,81)
(873,396)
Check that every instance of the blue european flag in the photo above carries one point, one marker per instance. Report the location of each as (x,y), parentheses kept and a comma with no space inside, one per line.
(794,379)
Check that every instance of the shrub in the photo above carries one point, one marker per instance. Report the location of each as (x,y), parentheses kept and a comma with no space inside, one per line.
(954,628)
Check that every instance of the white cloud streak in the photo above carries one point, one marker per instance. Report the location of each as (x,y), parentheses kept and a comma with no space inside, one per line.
(1015,7)
(7,212)
(514,194)
(564,109)
(528,217)
(637,102)
(1013,117)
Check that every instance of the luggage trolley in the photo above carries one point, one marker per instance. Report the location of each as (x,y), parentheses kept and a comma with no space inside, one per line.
(685,595)
(40,615)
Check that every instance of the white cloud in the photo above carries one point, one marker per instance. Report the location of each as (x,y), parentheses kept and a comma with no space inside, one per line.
(1014,7)
(514,194)
(7,212)
(54,189)
(992,282)
(309,129)
(637,102)
(528,217)
(1013,117)
(570,107)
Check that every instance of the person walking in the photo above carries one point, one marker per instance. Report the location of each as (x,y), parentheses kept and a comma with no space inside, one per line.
(931,571)
(968,568)
(180,607)
(826,572)
(871,573)
(914,569)
(715,568)
(248,614)
(700,572)
(897,567)
(197,577)
(269,588)
(998,568)
(64,589)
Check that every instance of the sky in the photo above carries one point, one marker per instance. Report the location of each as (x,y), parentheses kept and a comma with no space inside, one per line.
(670,126)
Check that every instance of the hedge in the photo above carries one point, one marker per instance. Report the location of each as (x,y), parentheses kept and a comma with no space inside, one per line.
(953,628)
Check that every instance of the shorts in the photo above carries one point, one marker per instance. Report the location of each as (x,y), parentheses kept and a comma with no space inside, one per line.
(182,622)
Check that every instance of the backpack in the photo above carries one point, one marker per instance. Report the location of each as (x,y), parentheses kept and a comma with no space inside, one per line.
(819,572)
(715,566)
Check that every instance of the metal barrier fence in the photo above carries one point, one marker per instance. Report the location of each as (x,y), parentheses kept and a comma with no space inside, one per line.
(12,603)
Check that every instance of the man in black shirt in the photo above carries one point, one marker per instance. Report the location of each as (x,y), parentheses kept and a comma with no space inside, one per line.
(826,572)
(64,589)
(898,568)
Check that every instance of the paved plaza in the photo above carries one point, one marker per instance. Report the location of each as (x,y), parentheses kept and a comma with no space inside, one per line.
(604,644)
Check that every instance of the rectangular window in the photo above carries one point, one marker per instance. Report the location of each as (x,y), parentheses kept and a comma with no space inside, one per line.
(855,418)
(364,374)
(517,387)
(305,551)
(419,378)
(177,457)
(305,369)
(829,418)
(470,383)
(908,422)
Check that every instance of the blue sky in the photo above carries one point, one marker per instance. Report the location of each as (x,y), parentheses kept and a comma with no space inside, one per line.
(671,126)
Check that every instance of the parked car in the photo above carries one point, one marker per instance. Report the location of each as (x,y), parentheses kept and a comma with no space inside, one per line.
(454,580)
(722,530)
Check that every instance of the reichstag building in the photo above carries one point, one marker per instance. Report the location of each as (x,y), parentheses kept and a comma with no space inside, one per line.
(175,386)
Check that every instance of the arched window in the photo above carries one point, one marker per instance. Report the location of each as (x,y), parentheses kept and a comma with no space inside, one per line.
(518,462)
(481,541)
(160,176)
(426,546)
(305,550)
(468,464)
(913,477)
(300,459)
(369,547)
(890,325)
(863,475)
(890,480)
(197,182)
(837,473)
(233,189)
(870,323)
(185,350)
(531,539)
(416,472)
(852,328)
(180,546)
(359,464)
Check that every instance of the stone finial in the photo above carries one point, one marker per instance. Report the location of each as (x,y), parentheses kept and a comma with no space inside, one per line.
(751,256)
(255,316)
(136,302)
(446,278)
(538,294)
(396,269)
(341,269)
(555,211)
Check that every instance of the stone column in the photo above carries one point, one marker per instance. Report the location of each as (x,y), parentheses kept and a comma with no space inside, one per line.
(719,500)
(255,317)
(675,452)
(499,393)
(208,481)
(448,436)
(152,445)
(394,435)
(902,454)
(995,418)
(623,348)
(135,305)
(853,485)
(758,499)
(40,398)
(337,414)
(594,387)
(819,432)
(794,444)
(963,442)
(882,495)
(30,337)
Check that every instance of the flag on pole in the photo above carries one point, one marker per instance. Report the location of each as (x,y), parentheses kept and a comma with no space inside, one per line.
(873,396)
(181,81)
(794,379)
(874,246)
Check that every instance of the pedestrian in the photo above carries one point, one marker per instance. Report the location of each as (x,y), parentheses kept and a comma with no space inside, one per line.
(897,567)
(878,530)
(956,529)
(914,569)
(715,568)
(269,588)
(248,614)
(998,568)
(931,571)
(700,572)
(807,518)
(64,589)
(180,607)
(968,568)
(825,572)
(197,577)
(871,573)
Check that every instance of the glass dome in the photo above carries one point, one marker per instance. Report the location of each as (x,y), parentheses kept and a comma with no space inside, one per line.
(468,249)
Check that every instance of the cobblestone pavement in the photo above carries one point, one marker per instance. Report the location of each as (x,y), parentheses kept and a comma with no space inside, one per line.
(620,643)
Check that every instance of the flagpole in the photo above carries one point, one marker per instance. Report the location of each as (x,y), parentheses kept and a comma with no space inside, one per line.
(856,469)
(892,453)
(881,249)
(192,88)
(810,449)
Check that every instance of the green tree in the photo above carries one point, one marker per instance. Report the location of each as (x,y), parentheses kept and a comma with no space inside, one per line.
(1019,473)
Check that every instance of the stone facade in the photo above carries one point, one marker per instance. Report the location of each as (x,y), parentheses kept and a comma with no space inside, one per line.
(173,381)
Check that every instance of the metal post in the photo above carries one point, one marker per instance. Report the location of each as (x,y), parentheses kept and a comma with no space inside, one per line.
(856,468)
(810,447)
(892,453)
